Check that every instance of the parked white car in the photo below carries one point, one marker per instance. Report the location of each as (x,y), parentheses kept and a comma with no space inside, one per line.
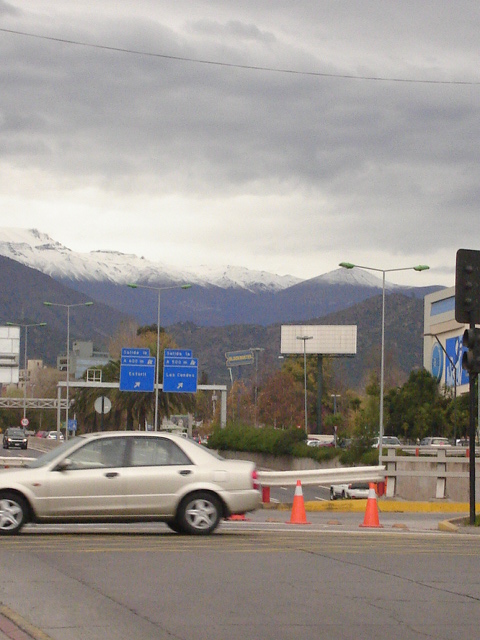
(387,441)
(353,490)
(435,442)
(54,435)
(338,491)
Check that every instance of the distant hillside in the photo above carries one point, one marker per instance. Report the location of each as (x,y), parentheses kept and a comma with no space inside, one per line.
(403,342)
(22,293)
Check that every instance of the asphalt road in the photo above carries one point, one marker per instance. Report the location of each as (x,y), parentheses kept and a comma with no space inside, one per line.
(257,579)
(261,579)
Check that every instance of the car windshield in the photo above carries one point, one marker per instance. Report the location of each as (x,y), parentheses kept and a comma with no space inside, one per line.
(53,453)
(15,432)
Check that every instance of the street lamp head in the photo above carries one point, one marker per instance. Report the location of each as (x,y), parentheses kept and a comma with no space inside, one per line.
(421,267)
(67,306)
(26,326)
(346,265)
(134,285)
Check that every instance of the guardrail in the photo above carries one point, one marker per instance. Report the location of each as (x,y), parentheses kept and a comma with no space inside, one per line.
(321,476)
(343,475)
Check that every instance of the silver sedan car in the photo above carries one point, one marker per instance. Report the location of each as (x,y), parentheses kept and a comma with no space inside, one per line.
(128,476)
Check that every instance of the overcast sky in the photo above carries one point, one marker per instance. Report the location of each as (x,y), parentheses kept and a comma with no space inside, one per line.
(270,134)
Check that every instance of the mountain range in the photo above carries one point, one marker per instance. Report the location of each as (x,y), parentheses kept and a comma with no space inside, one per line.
(218,296)
(225,309)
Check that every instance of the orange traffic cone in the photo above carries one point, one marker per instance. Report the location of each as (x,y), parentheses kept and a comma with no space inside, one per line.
(371,512)
(298,509)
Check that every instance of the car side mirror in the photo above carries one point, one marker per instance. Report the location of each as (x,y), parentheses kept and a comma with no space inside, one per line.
(64,464)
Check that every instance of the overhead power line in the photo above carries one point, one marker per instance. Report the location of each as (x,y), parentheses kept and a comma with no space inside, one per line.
(319,74)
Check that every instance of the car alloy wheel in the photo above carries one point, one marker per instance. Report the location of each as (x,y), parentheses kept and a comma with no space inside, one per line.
(199,513)
(13,512)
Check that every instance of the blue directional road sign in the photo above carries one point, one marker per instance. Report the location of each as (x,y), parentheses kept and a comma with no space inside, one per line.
(180,371)
(137,370)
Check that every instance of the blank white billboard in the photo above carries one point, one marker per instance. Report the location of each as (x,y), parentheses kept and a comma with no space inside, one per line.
(319,338)
(9,355)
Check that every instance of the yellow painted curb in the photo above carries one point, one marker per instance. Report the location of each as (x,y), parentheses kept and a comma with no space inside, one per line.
(385,506)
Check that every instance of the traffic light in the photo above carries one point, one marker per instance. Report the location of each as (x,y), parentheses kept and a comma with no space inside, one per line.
(471,358)
(467,286)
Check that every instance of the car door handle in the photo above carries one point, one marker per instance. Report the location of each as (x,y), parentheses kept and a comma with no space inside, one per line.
(185,472)
(112,474)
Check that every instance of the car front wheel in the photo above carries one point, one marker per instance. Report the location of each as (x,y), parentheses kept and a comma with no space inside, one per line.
(13,513)
(199,513)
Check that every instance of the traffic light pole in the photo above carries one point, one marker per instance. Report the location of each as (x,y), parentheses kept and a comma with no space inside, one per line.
(467,309)
(471,433)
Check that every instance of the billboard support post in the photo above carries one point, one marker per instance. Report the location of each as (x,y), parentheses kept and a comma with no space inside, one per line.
(319,393)
(324,340)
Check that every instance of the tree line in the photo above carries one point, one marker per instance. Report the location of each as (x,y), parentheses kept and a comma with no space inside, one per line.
(417,408)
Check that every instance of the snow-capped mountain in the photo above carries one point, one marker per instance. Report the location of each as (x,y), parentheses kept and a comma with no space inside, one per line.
(358,276)
(37,250)
(220,296)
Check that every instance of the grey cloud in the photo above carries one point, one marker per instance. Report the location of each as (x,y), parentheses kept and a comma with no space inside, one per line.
(366,162)
(8,9)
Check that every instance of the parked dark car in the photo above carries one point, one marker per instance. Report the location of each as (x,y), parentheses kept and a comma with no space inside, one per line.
(15,437)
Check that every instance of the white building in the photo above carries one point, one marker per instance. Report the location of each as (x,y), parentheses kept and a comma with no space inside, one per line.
(82,357)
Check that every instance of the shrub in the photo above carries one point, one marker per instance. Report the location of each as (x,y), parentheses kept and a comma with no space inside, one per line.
(237,437)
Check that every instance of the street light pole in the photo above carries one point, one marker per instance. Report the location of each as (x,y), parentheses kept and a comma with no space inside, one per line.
(305,338)
(256,351)
(349,265)
(25,365)
(157,359)
(335,396)
(67,307)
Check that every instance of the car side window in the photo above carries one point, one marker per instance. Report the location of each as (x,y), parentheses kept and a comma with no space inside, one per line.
(148,452)
(99,454)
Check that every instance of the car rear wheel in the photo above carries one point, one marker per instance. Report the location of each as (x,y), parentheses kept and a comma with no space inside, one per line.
(13,513)
(199,513)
